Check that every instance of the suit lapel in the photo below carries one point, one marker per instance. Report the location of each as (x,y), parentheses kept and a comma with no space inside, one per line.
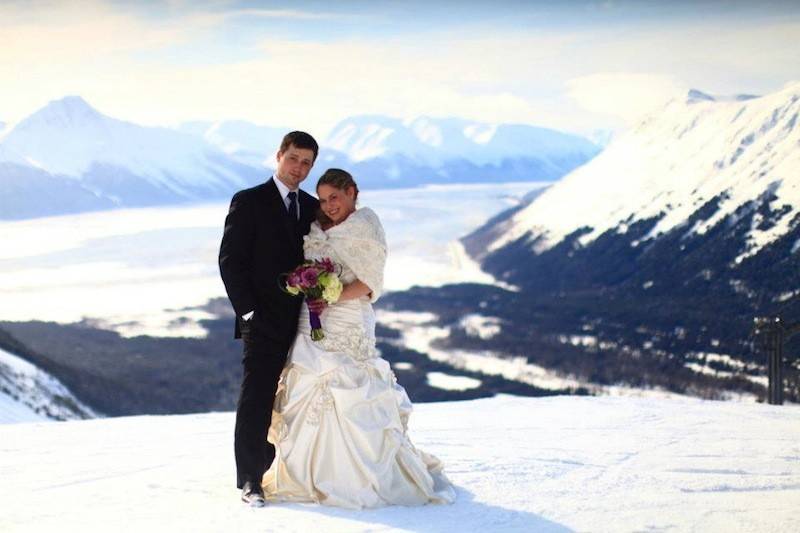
(280,215)
(308,211)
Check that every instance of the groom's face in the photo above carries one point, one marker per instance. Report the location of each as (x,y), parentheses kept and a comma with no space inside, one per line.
(294,165)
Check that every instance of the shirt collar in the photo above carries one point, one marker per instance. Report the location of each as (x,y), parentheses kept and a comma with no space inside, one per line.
(282,188)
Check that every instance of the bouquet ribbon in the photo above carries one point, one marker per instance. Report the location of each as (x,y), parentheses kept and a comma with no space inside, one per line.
(316,326)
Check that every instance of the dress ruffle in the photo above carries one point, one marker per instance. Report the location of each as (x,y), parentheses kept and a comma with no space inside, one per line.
(340,423)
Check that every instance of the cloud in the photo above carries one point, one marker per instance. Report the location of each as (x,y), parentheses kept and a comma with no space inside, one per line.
(284,14)
(308,89)
(81,32)
(624,96)
(180,63)
(706,53)
(294,82)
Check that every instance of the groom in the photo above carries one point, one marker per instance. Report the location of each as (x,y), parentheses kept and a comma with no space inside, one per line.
(263,238)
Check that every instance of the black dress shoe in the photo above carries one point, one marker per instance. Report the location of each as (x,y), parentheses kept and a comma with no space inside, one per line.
(253,495)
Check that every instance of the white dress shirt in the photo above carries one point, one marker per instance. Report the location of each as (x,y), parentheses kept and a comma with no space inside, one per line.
(284,191)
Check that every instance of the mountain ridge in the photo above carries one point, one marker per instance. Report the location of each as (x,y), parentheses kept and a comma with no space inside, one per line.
(652,176)
(101,162)
(657,255)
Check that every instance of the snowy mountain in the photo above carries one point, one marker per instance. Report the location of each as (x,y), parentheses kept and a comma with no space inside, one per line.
(647,265)
(435,141)
(453,150)
(29,394)
(28,192)
(384,152)
(100,161)
(601,137)
(741,155)
(246,142)
(519,464)
(68,157)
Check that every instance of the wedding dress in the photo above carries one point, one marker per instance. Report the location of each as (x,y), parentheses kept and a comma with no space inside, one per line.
(340,422)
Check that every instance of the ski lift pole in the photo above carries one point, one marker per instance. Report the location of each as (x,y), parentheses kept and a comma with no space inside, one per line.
(775,333)
(771,328)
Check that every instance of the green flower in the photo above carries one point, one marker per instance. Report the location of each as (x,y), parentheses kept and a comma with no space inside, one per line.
(293,290)
(331,288)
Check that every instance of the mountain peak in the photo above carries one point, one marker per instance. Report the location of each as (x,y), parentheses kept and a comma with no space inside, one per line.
(67,111)
(694,96)
(699,96)
(791,88)
(71,100)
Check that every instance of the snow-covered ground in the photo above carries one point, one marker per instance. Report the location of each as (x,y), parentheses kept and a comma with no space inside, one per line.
(135,270)
(519,464)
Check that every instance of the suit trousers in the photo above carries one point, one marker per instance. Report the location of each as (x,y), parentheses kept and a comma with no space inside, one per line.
(261,372)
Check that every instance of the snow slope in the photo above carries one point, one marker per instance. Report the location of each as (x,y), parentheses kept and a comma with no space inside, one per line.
(672,163)
(519,464)
(28,394)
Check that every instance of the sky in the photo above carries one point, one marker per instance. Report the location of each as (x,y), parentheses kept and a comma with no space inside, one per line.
(577,66)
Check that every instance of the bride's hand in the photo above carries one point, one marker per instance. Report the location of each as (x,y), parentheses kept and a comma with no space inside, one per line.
(317,306)
(355,290)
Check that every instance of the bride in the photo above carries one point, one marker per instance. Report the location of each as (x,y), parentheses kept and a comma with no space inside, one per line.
(340,422)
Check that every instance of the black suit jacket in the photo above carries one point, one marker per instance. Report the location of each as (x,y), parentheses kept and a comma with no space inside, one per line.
(260,242)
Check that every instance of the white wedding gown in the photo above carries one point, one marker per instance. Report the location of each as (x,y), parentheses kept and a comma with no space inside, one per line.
(340,424)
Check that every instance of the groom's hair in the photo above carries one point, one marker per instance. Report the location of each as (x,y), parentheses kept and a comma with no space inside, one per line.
(299,139)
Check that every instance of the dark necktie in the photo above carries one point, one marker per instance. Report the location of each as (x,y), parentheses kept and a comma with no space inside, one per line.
(293,206)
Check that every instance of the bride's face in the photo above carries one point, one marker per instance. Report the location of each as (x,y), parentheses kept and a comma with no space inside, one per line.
(337,204)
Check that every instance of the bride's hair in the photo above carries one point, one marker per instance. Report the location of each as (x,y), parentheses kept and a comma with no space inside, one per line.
(339,179)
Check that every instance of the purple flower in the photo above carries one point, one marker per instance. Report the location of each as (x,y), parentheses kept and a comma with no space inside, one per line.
(327,264)
(308,278)
(293,280)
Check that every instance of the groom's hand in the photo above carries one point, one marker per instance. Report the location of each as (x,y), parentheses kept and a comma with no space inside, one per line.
(317,306)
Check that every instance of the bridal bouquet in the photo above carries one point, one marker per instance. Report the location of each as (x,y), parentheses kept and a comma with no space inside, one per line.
(315,279)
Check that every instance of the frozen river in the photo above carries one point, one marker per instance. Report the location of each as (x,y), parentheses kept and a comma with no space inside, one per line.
(138,270)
